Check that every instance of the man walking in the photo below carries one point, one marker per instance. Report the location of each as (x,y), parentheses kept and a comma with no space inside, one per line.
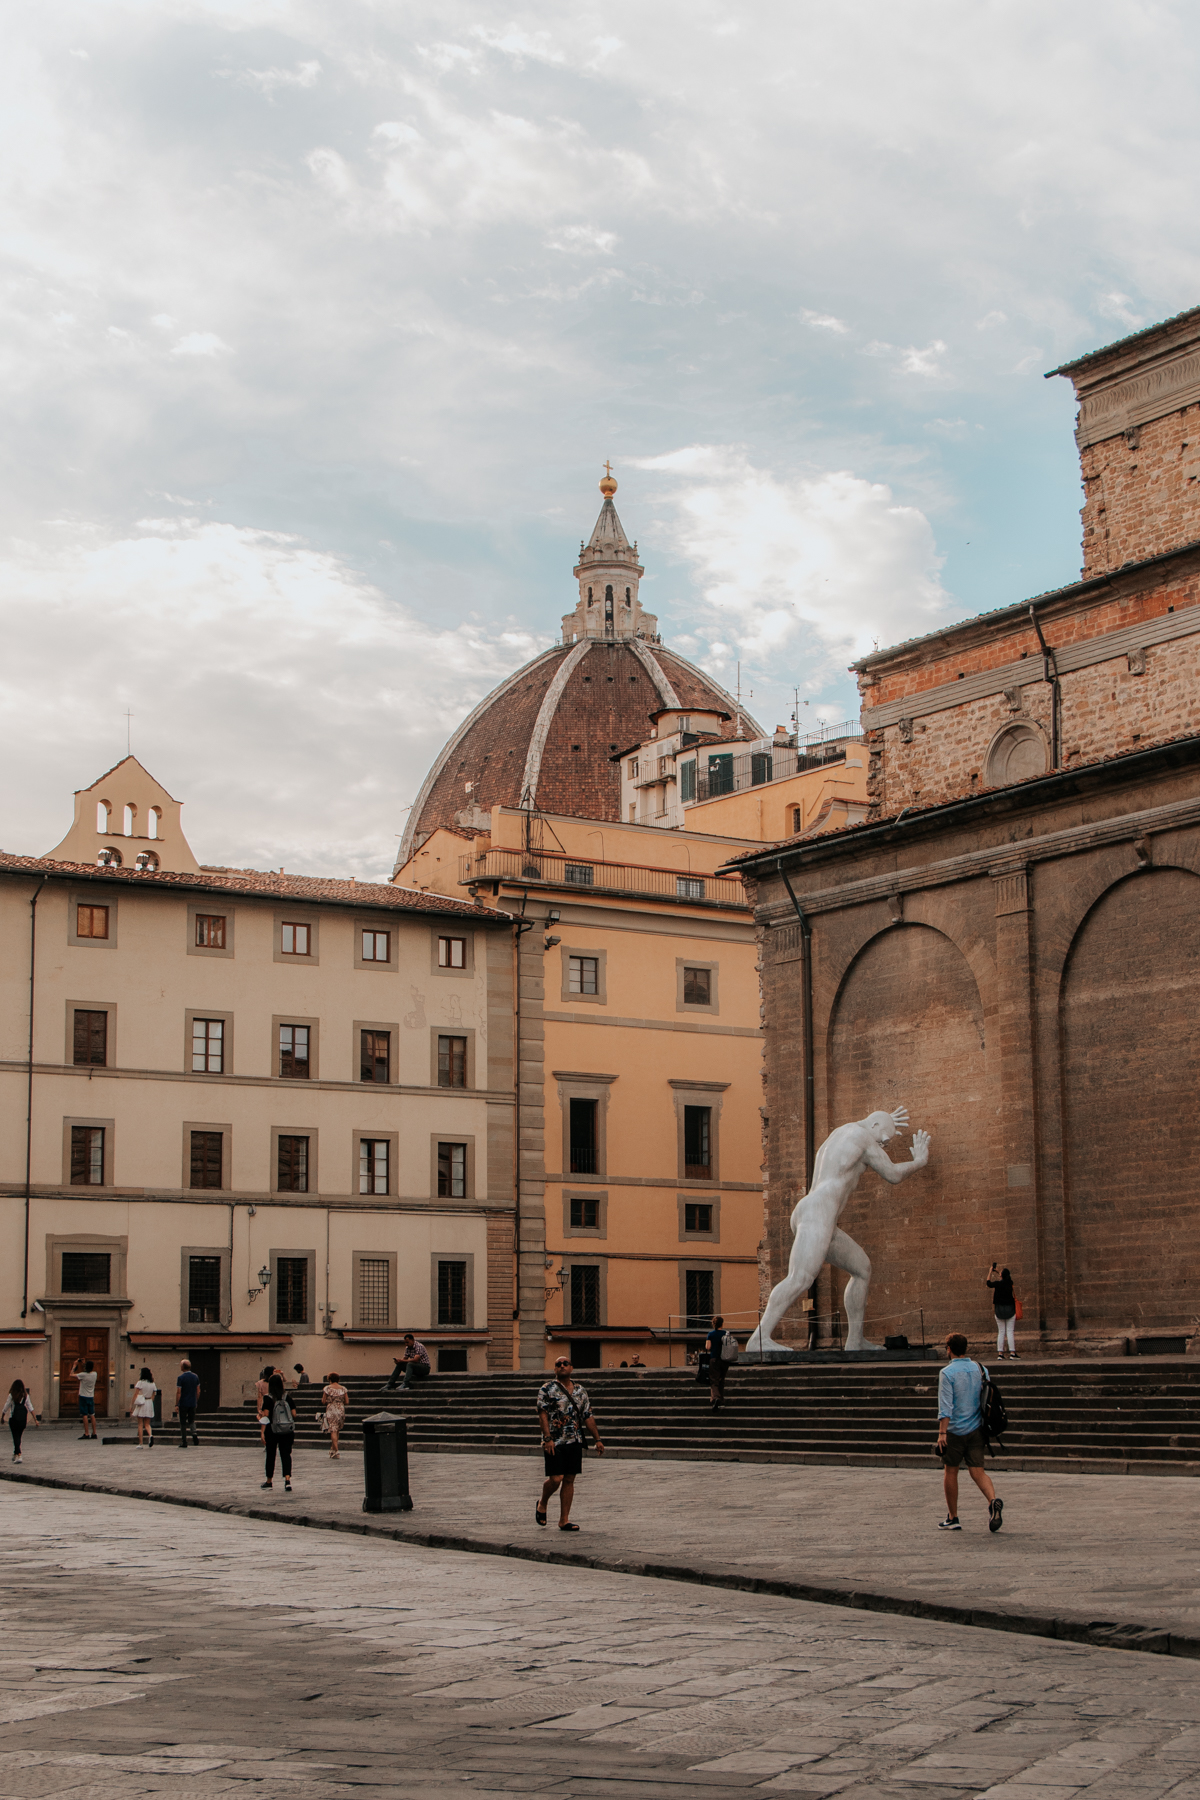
(86,1374)
(564,1411)
(187,1398)
(960,1432)
(414,1362)
(720,1347)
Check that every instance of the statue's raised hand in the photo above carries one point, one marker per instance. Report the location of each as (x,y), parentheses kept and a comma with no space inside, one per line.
(920,1148)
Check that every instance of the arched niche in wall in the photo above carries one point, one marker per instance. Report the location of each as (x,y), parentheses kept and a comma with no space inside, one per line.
(1017,753)
(907,1028)
(1130,1021)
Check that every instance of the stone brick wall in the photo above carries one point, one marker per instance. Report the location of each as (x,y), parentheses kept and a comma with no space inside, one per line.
(501,1290)
(1141,492)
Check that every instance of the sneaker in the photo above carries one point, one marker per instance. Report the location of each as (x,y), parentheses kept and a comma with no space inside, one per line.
(996,1514)
(949,1524)
(268,1484)
(287,1487)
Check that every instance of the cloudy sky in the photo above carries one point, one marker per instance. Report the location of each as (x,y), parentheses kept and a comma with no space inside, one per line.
(319,322)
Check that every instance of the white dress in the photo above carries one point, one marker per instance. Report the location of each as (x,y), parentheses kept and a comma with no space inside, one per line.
(143,1405)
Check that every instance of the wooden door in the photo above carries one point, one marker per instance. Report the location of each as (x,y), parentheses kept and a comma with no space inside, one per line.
(88,1342)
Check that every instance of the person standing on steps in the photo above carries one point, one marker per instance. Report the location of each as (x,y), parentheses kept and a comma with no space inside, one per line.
(187,1399)
(960,1432)
(1004,1305)
(720,1347)
(142,1409)
(334,1398)
(85,1374)
(17,1414)
(564,1410)
(303,1378)
(281,1432)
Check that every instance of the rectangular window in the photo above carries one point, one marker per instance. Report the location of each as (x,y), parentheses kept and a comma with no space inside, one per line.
(585,1215)
(210,931)
(687,780)
(206,1159)
(685,721)
(374,1291)
(760,767)
(583,1137)
(697,1142)
(87,1157)
(293,1052)
(293,1165)
(377,946)
(697,987)
(452,1293)
(797,820)
(633,768)
(698,1289)
(720,775)
(376,1056)
(372,1165)
(585,1294)
(452,1171)
(86,1272)
(579,874)
(291,1279)
(294,940)
(696,1217)
(583,971)
(452,1062)
(689,887)
(208,1046)
(204,1290)
(91,921)
(91,1039)
(452,953)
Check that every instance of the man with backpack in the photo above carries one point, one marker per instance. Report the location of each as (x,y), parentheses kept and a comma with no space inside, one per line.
(961,1398)
(721,1349)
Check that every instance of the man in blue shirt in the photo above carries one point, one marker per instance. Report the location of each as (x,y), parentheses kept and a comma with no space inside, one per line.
(187,1396)
(960,1432)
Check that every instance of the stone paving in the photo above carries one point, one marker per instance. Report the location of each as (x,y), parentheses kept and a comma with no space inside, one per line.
(150,1650)
(1079,1547)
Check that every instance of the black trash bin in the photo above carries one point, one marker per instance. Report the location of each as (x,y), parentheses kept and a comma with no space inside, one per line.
(385,1463)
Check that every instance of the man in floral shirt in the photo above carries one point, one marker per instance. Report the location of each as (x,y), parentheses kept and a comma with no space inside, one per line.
(564,1410)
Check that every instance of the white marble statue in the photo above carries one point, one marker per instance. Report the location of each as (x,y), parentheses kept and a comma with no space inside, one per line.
(842,1159)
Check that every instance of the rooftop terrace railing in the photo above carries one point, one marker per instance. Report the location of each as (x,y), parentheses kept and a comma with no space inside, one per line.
(545,868)
(720,771)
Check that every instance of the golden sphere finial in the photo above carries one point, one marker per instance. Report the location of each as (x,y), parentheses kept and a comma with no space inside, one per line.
(608,486)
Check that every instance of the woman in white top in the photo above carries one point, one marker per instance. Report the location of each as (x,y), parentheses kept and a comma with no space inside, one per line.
(18,1412)
(142,1409)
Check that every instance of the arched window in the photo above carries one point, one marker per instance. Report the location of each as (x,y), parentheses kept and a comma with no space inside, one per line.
(154,822)
(109,858)
(628,596)
(146,861)
(103,815)
(589,596)
(130,819)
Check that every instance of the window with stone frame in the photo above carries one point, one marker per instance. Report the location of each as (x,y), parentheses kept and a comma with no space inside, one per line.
(373,1165)
(374,1292)
(452,953)
(210,931)
(208,1046)
(91,921)
(452,1062)
(377,946)
(204,1290)
(206,1148)
(697,1216)
(585,1213)
(452,1293)
(583,974)
(375,1056)
(87,1156)
(585,1294)
(295,940)
(86,1272)
(697,1142)
(292,1170)
(699,1287)
(452,1171)
(291,1290)
(697,987)
(90,1039)
(293,1052)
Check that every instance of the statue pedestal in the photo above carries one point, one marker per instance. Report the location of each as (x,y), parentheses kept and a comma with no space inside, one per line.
(784,1358)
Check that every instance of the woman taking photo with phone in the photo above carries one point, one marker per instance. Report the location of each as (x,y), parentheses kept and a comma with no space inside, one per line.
(1005,1307)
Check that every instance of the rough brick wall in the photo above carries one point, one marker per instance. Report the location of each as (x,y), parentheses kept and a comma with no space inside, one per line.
(1141,492)
(908,1029)
(1131,1074)
(501,1290)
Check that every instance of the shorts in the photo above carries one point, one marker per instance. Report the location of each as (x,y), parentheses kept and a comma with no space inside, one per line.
(567,1459)
(961,1450)
(87,1407)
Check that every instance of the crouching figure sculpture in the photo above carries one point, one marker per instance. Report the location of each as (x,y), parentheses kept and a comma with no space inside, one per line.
(841,1161)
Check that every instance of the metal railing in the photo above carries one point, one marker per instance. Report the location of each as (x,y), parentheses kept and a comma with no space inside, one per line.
(721,772)
(552,869)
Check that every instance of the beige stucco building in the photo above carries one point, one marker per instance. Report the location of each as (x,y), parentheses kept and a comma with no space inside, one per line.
(244,1116)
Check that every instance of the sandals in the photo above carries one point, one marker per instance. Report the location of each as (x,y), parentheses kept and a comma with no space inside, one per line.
(568,1528)
(539,1516)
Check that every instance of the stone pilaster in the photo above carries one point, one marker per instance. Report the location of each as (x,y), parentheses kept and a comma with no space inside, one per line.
(531,1149)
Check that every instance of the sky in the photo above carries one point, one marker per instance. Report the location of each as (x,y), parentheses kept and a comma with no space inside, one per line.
(319,323)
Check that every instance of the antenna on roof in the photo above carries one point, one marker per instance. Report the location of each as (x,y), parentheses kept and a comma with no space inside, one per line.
(128,734)
(749,695)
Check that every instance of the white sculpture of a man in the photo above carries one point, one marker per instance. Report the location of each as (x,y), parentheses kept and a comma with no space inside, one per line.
(840,1162)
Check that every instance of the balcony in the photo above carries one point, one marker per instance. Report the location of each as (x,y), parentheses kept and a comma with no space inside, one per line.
(723,772)
(551,869)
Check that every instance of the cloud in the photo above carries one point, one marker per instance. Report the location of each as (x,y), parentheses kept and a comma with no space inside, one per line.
(200,343)
(269,81)
(278,694)
(823,321)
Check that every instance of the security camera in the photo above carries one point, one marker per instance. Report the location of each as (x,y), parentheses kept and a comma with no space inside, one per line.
(38,1307)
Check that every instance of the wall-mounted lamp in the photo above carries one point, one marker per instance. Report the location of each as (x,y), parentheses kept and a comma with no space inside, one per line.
(550,942)
(553,916)
(264,1282)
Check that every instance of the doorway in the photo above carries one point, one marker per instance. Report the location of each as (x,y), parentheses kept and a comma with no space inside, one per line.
(585,1352)
(207,1365)
(90,1343)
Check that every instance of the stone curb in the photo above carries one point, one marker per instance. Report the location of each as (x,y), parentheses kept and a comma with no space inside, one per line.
(1100,1633)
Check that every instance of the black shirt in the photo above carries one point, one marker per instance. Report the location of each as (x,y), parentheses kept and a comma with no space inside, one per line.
(1002,1295)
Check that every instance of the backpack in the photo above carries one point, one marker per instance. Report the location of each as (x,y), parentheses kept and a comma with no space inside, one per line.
(729,1347)
(281,1418)
(993,1416)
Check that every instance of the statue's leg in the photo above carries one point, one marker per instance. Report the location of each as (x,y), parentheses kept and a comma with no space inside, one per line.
(845,1254)
(808,1253)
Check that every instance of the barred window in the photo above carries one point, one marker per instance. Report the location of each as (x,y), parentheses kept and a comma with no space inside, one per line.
(291,1288)
(452,1293)
(204,1290)
(86,1272)
(585,1294)
(699,1295)
(374,1291)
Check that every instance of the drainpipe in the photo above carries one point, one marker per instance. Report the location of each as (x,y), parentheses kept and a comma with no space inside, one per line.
(1050,675)
(810,1107)
(29,1095)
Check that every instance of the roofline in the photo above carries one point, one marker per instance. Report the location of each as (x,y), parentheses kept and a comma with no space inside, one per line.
(906,824)
(1094,584)
(181,881)
(1147,332)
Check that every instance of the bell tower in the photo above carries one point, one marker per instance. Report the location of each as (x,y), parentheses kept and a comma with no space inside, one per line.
(608,573)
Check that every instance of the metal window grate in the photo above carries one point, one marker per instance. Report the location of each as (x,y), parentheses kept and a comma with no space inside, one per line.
(374,1291)
(699,1288)
(204,1290)
(452,1293)
(291,1298)
(585,1294)
(86,1272)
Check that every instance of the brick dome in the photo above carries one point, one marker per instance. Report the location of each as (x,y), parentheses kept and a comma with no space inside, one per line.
(551,729)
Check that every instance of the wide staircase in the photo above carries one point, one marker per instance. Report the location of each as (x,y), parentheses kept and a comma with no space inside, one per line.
(1115,1414)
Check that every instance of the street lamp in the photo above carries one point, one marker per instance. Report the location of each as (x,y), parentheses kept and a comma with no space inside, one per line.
(264,1282)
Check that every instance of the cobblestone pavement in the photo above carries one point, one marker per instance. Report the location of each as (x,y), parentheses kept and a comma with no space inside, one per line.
(1083,1547)
(149,1650)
